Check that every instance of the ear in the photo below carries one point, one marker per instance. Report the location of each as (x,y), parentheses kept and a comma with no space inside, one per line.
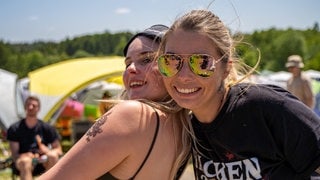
(228,69)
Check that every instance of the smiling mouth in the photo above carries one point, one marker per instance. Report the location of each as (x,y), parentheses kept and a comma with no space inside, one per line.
(137,83)
(187,90)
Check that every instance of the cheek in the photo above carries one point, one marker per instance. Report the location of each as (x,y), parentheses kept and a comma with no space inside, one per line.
(125,79)
(162,89)
(222,71)
(155,78)
(167,82)
(154,71)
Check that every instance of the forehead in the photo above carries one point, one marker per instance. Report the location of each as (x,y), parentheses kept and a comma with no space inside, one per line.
(188,42)
(142,44)
(32,101)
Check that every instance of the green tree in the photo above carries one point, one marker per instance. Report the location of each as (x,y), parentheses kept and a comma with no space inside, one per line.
(5,54)
(275,46)
(291,42)
(81,53)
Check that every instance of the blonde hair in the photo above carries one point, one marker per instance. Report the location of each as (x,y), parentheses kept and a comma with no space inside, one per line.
(181,120)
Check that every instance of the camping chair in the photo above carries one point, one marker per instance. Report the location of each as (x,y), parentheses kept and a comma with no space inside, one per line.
(6,163)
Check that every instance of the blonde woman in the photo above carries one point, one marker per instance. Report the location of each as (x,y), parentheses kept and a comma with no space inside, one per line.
(240,130)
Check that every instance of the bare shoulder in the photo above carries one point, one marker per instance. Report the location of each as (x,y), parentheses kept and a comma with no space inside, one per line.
(131,109)
(127,117)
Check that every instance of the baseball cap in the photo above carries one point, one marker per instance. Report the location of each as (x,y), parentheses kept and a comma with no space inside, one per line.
(154,32)
(294,61)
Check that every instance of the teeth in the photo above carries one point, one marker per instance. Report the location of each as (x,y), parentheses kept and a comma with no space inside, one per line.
(137,83)
(187,91)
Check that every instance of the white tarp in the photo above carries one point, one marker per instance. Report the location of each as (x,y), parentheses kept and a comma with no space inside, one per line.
(313,74)
(9,99)
(280,78)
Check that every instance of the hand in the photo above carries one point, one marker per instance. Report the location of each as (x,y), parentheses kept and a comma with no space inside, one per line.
(27,154)
(43,149)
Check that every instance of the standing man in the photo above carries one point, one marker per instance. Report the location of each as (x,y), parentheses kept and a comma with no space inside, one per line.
(299,85)
(33,140)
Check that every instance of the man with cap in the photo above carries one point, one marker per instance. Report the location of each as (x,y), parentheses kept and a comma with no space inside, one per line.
(299,85)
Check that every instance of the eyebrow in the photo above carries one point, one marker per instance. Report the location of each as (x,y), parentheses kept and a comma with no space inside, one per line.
(142,54)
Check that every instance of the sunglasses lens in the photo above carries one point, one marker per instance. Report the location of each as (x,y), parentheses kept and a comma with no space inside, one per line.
(201,65)
(169,64)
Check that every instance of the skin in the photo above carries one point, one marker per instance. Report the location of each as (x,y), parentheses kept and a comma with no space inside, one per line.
(141,77)
(119,141)
(296,71)
(189,90)
(304,93)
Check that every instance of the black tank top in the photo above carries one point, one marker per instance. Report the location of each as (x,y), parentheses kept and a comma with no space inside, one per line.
(108,176)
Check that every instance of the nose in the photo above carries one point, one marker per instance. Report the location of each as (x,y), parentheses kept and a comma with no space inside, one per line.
(132,68)
(31,106)
(185,71)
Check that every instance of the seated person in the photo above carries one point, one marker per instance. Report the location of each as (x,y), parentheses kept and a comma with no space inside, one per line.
(32,140)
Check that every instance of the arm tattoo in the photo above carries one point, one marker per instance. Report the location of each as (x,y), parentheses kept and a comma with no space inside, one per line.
(96,128)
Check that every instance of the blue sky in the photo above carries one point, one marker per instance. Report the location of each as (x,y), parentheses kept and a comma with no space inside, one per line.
(55,20)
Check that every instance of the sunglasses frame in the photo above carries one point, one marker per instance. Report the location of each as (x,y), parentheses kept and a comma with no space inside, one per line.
(188,57)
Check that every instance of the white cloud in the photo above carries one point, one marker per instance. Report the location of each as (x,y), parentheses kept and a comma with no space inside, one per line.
(123,11)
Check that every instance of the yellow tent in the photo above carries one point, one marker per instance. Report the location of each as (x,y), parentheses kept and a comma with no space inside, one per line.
(54,83)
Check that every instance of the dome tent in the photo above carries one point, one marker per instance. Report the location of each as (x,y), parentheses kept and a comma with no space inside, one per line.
(53,84)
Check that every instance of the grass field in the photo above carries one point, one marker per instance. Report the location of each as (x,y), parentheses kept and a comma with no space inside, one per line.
(5,174)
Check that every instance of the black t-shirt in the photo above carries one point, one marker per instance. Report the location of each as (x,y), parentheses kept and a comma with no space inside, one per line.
(19,132)
(261,132)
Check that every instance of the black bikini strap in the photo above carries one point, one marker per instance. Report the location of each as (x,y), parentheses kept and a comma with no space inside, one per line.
(151,146)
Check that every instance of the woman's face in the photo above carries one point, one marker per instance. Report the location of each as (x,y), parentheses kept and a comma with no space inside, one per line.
(141,78)
(189,90)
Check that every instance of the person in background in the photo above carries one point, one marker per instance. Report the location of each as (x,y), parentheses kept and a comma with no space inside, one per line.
(31,139)
(104,106)
(299,84)
(140,138)
(240,130)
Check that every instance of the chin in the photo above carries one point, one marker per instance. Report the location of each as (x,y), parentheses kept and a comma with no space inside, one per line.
(133,97)
(185,104)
